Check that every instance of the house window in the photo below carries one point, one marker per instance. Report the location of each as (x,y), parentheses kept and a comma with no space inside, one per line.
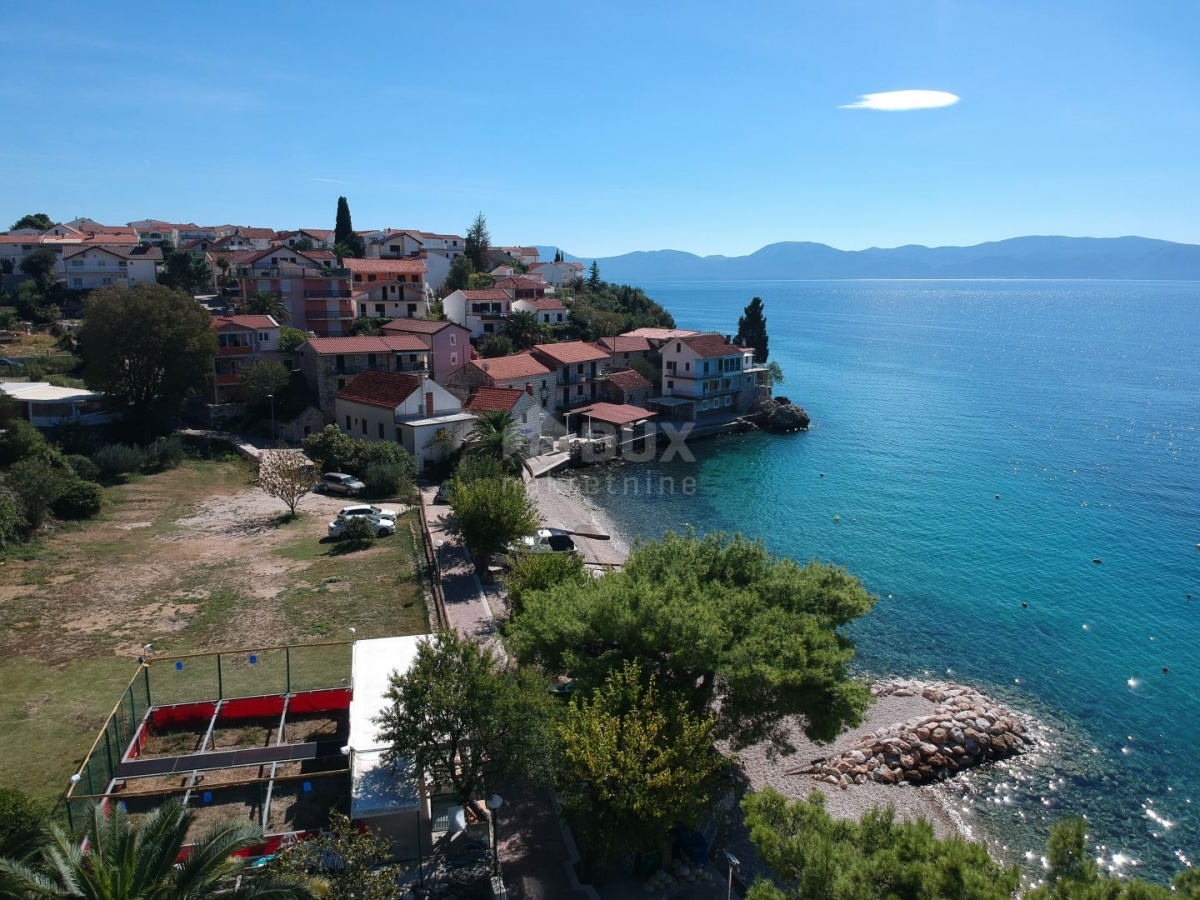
(347,423)
(703,404)
(670,384)
(364,426)
(560,317)
(77,282)
(687,367)
(341,384)
(678,348)
(706,367)
(263,337)
(77,262)
(454,359)
(412,309)
(381,431)
(728,401)
(453,340)
(371,360)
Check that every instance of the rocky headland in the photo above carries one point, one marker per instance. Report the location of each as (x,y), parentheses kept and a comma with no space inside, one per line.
(778,414)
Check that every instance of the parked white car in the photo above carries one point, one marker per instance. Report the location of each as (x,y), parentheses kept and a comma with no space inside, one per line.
(366,509)
(381,525)
(547,540)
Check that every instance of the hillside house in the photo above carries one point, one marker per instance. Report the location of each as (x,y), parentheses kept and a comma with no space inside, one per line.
(480,312)
(576,366)
(547,310)
(241,341)
(409,409)
(316,294)
(329,364)
(518,372)
(626,387)
(389,288)
(526,412)
(449,344)
(88,266)
(708,377)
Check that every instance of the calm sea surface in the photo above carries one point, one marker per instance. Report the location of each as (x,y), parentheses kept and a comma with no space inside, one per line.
(1078,403)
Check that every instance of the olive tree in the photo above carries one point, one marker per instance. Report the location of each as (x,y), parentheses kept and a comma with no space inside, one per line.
(287,475)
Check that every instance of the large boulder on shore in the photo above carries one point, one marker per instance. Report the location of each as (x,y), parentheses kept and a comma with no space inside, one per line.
(787,417)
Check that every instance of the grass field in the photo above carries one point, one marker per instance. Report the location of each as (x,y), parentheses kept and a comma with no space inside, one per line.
(195,559)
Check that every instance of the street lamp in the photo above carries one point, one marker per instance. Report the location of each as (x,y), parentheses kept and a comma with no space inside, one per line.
(733,864)
(494,803)
(271,397)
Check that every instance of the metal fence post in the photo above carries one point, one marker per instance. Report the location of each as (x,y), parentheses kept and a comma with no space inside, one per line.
(146,673)
(220,691)
(287,651)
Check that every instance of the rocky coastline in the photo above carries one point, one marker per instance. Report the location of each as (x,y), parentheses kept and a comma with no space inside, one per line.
(778,414)
(964,730)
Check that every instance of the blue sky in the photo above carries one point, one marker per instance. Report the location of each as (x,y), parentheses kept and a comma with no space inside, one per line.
(612,126)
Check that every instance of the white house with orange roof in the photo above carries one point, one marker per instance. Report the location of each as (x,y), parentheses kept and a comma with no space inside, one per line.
(557,273)
(86,266)
(404,408)
(519,372)
(481,312)
(548,310)
(389,288)
(521,405)
(577,367)
(707,376)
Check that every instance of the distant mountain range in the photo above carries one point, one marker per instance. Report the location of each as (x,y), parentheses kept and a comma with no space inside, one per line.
(1022,257)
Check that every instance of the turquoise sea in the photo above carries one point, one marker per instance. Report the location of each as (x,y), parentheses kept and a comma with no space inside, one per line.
(975,446)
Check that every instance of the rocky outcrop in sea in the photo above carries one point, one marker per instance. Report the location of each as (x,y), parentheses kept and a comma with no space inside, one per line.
(779,414)
(966,729)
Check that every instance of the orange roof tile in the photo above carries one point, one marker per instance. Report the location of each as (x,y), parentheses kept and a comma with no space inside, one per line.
(389,266)
(509,368)
(399,343)
(487,399)
(254,323)
(570,352)
(617,413)
(625,343)
(386,389)
(628,380)
(711,345)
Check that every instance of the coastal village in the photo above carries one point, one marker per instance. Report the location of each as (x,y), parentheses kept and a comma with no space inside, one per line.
(316,579)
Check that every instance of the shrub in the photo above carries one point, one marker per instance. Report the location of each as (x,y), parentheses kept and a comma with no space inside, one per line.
(540,572)
(38,482)
(369,453)
(72,437)
(20,824)
(331,449)
(387,480)
(116,460)
(12,522)
(79,500)
(19,440)
(165,453)
(83,467)
(357,534)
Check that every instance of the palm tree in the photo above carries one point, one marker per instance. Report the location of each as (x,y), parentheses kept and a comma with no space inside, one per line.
(139,863)
(523,329)
(495,436)
(266,303)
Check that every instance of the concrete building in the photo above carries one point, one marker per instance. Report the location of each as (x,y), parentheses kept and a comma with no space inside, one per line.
(329,364)
(480,312)
(389,288)
(576,366)
(526,412)
(87,266)
(316,294)
(241,341)
(626,387)
(46,405)
(707,377)
(625,349)
(449,344)
(547,310)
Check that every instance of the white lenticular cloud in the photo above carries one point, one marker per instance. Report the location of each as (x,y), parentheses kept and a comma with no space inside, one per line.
(901,101)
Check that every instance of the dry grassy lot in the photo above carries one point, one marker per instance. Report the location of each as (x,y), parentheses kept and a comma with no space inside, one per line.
(193,559)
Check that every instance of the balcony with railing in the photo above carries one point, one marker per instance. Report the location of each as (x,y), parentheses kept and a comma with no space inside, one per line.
(290,272)
(327,294)
(328,315)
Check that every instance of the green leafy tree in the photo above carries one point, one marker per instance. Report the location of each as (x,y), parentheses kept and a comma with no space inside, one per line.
(523,329)
(147,346)
(558,257)
(714,619)
(817,857)
(593,282)
(40,265)
(290,339)
(304,244)
(344,235)
(124,862)
(265,303)
(476,242)
(496,436)
(774,373)
(495,345)
(38,482)
(34,305)
(12,524)
(480,281)
(263,379)
(459,275)
(19,440)
(634,763)
(39,221)
(186,271)
(539,572)
(752,330)
(489,514)
(459,718)
(20,826)
(363,872)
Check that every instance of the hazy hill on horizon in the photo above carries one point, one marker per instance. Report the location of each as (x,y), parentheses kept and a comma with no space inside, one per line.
(1022,257)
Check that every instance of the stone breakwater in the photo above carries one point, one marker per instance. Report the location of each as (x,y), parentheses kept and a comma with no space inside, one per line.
(964,730)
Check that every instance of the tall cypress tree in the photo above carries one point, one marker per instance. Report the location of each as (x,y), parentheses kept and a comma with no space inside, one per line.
(593,281)
(477,243)
(345,239)
(752,330)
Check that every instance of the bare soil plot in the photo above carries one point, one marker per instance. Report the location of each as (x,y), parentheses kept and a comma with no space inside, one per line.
(295,808)
(194,559)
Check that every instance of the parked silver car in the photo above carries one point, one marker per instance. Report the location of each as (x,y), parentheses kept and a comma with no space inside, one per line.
(340,483)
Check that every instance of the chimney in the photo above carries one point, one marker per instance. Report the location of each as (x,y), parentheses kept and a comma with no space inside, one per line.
(429,403)
(729,338)
(529,388)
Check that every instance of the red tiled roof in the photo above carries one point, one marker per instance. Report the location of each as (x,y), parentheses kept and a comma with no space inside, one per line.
(625,343)
(520,282)
(364,288)
(110,237)
(398,266)
(711,345)
(262,234)
(321,234)
(487,399)
(544,303)
(489,294)
(508,368)
(420,326)
(617,413)
(124,251)
(628,380)
(386,389)
(401,343)
(571,352)
(659,334)
(254,323)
